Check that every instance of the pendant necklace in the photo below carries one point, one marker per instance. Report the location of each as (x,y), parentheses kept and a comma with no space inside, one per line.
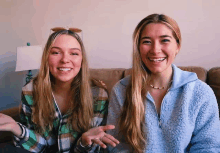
(160,88)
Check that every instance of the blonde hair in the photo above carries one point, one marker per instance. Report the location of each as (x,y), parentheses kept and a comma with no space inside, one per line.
(81,101)
(131,123)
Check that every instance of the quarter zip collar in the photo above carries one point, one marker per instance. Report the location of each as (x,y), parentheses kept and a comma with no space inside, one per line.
(180,77)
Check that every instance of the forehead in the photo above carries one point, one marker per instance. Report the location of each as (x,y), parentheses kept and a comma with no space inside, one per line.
(156,30)
(66,41)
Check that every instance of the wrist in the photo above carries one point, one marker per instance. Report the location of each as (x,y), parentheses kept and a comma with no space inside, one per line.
(84,147)
(17,130)
(82,142)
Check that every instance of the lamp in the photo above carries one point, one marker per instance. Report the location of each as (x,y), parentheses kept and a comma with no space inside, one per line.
(28,58)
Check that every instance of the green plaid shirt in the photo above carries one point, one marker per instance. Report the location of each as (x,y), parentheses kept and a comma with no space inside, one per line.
(63,138)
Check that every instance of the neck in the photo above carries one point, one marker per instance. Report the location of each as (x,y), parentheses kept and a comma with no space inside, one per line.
(61,88)
(161,79)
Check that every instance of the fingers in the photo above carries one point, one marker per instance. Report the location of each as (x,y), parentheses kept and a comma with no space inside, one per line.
(99,142)
(106,139)
(107,127)
(97,135)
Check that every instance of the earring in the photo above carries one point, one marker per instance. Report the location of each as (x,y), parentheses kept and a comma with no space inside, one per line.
(176,52)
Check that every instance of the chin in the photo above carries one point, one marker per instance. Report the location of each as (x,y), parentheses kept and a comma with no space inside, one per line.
(159,70)
(65,80)
(156,69)
(156,72)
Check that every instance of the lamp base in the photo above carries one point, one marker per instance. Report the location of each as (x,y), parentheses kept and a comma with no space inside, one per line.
(29,76)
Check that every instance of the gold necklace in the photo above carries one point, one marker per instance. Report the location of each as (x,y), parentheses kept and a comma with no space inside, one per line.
(160,88)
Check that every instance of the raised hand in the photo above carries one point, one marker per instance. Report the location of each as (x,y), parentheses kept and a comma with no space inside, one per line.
(9,124)
(99,136)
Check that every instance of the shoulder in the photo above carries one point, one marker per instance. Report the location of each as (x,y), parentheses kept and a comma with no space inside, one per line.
(98,83)
(202,91)
(28,88)
(100,97)
(199,95)
(118,93)
(204,104)
(199,87)
(122,84)
(99,90)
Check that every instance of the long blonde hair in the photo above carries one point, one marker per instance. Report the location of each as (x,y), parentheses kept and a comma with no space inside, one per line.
(81,101)
(131,123)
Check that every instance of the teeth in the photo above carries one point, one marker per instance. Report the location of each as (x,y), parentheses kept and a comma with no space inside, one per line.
(64,69)
(157,60)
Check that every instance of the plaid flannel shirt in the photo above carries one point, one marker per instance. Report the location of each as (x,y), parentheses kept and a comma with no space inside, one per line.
(63,138)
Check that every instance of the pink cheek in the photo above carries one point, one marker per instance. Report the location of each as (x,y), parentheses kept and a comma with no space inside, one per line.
(79,61)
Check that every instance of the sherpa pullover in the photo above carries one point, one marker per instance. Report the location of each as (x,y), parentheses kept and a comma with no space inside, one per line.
(188,120)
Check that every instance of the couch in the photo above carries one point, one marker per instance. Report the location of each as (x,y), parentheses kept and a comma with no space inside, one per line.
(111,76)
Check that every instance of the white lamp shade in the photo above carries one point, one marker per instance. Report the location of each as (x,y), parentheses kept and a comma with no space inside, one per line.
(28,58)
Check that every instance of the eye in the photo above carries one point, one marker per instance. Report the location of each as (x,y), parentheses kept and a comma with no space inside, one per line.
(55,52)
(74,53)
(146,42)
(165,40)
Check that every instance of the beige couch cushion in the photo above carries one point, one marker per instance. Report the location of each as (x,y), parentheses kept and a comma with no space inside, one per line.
(201,72)
(109,76)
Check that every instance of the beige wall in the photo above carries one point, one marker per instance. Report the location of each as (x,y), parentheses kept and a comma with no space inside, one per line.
(107,31)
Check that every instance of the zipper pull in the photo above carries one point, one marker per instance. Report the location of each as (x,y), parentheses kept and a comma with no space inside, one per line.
(159,122)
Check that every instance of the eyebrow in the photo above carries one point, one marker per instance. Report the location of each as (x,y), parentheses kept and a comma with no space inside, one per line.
(163,36)
(70,48)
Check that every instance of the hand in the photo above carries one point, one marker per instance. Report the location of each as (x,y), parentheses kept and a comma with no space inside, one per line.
(9,124)
(98,136)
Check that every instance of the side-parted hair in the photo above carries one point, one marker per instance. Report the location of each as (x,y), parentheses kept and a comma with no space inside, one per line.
(132,122)
(81,106)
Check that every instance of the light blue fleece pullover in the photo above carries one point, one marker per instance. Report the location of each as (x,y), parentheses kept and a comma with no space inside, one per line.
(188,121)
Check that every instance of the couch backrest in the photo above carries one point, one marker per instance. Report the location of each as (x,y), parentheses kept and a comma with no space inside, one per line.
(112,76)
(213,79)
(201,72)
(109,76)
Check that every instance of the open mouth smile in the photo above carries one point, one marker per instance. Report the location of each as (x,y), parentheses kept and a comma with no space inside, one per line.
(157,59)
(64,69)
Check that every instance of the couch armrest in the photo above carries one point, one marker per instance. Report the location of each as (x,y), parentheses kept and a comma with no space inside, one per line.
(13,112)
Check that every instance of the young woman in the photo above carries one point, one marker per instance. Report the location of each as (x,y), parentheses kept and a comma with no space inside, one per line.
(160,108)
(60,112)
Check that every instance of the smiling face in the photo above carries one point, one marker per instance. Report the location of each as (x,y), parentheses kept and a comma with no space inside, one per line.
(158,48)
(65,58)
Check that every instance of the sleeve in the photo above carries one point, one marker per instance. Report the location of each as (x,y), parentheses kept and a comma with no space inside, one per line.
(28,140)
(100,106)
(114,111)
(206,135)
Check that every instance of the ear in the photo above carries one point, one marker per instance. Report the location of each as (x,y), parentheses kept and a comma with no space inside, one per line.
(177,50)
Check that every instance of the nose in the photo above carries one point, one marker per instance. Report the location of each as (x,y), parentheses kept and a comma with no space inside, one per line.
(156,47)
(65,58)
